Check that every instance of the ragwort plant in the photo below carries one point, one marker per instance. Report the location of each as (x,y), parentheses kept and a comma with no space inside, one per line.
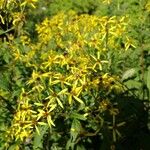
(68,97)
(69,81)
(12,16)
(12,19)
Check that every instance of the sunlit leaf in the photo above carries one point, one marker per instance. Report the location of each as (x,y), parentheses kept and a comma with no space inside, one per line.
(129,74)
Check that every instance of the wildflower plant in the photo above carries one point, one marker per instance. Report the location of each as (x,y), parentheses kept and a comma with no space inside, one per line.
(64,87)
(69,68)
(12,16)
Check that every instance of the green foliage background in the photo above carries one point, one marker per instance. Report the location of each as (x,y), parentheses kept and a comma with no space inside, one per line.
(95,131)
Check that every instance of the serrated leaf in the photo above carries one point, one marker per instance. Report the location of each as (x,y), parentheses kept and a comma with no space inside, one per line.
(128,74)
(75,129)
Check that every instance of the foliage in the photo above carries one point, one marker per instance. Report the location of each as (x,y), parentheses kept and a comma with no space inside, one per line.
(69,86)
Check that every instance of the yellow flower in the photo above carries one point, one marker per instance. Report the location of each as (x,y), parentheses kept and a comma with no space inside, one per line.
(30,2)
(104,105)
(107,1)
(25,40)
(2,19)
(98,62)
(18,18)
(147,6)
(74,94)
(129,42)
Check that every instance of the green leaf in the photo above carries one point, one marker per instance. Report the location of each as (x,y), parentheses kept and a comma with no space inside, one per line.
(69,145)
(3,83)
(13,147)
(80,147)
(75,129)
(2,32)
(37,142)
(133,84)
(6,57)
(128,74)
(78,116)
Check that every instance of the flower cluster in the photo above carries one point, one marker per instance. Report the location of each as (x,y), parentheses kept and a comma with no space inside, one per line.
(69,65)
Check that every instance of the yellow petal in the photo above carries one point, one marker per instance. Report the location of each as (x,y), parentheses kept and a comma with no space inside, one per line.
(49,120)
